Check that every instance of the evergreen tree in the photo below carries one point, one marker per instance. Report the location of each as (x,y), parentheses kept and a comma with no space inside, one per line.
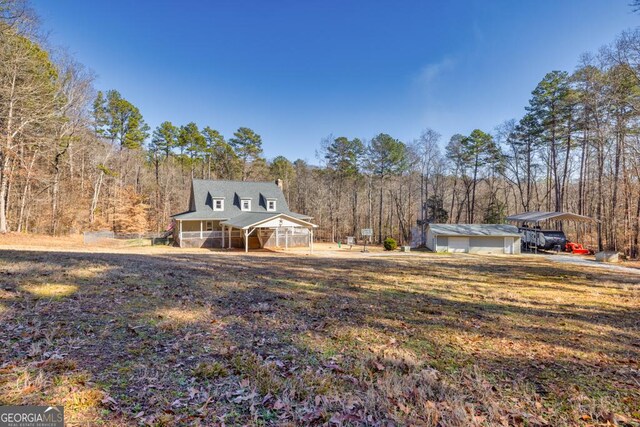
(248,147)
(551,107)
(523,143)
(164,139)
(193,143)
(282,168)
(343,157)
(386,156)
(222,160)
(119,121)
(436,213)
(479,150)
(495,213)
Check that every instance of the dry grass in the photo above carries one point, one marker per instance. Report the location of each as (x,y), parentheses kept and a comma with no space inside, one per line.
(166,337)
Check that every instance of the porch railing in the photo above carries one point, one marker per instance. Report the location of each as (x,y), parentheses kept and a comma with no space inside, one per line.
(208,234)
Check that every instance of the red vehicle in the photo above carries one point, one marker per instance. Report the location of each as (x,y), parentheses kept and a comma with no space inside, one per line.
(576,248)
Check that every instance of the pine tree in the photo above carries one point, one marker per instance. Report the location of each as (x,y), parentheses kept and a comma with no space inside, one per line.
(248,147)
(193,142)
(165,139)
(550,105)
(119,121)
(479,150)
(386,156)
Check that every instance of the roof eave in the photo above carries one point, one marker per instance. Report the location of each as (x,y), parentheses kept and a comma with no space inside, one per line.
(275,215)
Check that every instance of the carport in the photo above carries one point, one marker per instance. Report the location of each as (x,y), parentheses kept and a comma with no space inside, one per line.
(537,222)
(270,229)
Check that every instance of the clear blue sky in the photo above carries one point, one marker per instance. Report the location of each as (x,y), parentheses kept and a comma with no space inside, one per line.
(296,71)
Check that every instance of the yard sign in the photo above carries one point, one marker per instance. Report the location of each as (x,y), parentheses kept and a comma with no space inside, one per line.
(366,232)
(351,241)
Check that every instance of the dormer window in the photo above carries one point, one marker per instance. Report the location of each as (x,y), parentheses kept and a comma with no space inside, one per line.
(271,205)
(245,204)
(218,204)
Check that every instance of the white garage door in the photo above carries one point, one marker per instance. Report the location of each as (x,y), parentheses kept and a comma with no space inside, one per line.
(458,244)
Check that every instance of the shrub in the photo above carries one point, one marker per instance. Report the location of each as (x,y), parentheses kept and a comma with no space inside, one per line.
(390,244)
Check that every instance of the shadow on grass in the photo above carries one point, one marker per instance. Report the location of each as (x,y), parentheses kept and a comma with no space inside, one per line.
(142,324)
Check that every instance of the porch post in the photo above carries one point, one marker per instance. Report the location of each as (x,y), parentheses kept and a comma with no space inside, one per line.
(246,241)
(180,222)
(286,238)
(222,237)
(201,229)
(311,240)
(230,228)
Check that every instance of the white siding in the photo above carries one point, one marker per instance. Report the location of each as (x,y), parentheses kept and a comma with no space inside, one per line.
(473,245)
(442,244)
(430,243)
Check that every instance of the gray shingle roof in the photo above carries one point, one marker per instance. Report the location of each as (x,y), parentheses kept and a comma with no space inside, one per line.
(474,230)
(204,192)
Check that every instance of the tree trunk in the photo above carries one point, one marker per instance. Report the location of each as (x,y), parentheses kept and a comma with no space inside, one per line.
(380,211)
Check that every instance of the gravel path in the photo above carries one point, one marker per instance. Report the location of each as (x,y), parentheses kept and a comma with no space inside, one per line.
(568,259)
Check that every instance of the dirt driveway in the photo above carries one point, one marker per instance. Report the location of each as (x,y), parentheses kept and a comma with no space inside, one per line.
(590,262)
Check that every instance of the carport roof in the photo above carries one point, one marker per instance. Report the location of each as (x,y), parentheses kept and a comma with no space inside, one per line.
(539,216)
(251,219)
(493,230)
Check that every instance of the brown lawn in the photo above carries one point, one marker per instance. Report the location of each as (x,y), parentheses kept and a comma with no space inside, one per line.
(161,336)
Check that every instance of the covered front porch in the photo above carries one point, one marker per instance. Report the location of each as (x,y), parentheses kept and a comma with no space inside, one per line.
(248,231)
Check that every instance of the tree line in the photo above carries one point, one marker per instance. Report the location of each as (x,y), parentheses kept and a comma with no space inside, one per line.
(73,158)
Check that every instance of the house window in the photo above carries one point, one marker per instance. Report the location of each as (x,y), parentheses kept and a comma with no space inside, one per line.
(245,205)
(209,225)
(218,205)
(271,205)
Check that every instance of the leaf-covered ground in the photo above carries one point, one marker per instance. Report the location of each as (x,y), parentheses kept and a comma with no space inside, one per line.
(215,338)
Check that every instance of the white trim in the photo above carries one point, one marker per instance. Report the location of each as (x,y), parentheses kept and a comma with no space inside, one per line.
(269,208)
(242,202)
(303,222)
(215,202)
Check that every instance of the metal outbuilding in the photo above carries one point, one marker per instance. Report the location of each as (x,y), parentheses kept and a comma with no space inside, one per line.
(543,230)
(474,238)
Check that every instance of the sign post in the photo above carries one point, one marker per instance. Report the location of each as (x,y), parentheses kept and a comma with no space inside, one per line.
(366,232)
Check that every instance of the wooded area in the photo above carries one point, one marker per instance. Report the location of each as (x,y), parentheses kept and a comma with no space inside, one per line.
(73,158)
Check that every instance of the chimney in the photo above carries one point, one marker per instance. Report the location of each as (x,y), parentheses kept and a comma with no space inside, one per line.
(279,183)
